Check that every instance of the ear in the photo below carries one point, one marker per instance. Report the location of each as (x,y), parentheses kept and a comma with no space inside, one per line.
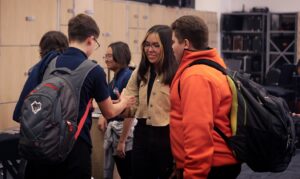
(186,44)
(89,40)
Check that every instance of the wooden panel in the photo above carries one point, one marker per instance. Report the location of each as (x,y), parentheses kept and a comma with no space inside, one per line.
(46,19)
(64,29)
(84,6)
(6,112)
(170,15)
(13,24)
(101,17)
(133,14)
(119,20)
(14,65)
(23,22)
(66,11)
(135,59)
(136,37)
(157,12)
(143,11)
(138,15)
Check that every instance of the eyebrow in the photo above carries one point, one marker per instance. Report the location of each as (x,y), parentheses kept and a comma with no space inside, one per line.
(151,42)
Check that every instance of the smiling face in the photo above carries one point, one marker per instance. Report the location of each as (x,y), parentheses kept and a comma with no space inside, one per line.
(153,48)
(109,60)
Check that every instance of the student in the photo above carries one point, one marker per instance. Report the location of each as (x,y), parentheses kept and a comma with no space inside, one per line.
(83,33)
(116,146)
(51,44)
(150,83)
(204,102)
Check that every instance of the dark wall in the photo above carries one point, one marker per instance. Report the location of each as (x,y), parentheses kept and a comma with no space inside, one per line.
(179,3)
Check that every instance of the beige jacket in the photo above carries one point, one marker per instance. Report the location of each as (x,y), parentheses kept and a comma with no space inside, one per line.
(157,112)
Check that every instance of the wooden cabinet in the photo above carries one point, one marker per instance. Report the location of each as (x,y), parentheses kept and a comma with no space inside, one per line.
(102,10)
(14,65)
(113,26)
(119,21)
(66,11)
(138,15)
(157,12)
(170,15)
(6,111)
(84,6)
(23,22)
(136,37)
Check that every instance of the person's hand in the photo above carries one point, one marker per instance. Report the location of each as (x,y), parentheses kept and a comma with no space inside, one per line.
(121,149)
(295,115)
(117,93)
(102,124)
(128,100)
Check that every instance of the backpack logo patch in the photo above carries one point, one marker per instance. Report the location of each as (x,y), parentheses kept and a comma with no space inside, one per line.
(36,107)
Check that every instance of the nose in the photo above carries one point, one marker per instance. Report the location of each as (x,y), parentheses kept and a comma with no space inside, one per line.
(151,48)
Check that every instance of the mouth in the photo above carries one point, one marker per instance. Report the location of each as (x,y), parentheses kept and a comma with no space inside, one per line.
(151,56)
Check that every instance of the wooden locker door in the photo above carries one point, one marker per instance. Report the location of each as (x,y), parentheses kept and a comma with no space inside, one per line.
(45,18)
(141,36)
(134,44)
(23,22)
(171,14)
(6,111)
(143,10)
(119,20)
(84,6)
(133,14)
(136,37)
(102,17)
(135,59)
(64,29)
(155,17)
(13,25)
(66,11)
(14,65)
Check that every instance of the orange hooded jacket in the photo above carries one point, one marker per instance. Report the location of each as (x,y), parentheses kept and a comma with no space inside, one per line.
(205,101)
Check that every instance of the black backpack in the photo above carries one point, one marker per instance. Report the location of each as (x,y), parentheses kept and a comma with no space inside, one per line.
(48,123)
(262,126)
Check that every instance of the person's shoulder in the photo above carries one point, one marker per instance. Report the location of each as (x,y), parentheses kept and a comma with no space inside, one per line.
(97,72)
(128,72)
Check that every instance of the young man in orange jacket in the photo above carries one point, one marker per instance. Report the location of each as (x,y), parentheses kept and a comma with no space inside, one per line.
(204,102)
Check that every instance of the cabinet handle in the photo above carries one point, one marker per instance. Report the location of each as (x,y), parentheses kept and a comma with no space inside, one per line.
(145,17)
(106,34)
(136,16)
(30,18)
(71,11)
(135,41)
(89,12)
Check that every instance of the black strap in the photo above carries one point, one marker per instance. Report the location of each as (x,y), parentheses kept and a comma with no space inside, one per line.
(216,66)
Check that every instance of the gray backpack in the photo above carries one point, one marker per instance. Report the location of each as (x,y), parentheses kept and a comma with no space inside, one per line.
(49,115)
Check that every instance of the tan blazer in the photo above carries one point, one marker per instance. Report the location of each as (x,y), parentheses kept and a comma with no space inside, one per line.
(157,112)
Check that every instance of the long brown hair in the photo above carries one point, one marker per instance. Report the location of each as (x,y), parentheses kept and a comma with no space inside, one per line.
(167,65)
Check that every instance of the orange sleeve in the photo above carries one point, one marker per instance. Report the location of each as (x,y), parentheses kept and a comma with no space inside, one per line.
(197,104)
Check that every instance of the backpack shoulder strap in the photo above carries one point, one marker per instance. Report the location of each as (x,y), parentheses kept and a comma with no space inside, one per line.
(207,62)
(78,75)
(51,66)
